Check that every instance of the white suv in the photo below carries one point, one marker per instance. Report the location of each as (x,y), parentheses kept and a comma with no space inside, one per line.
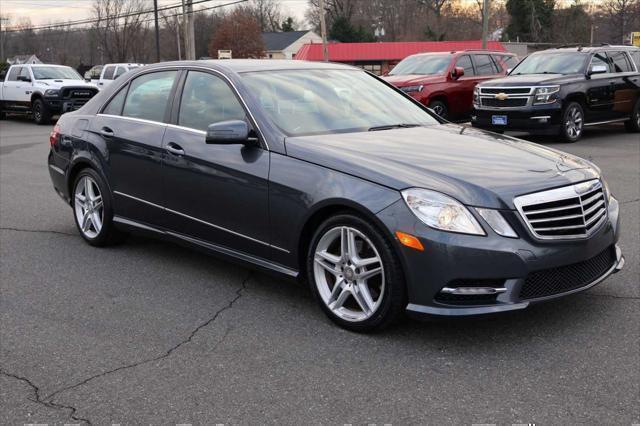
(103,75)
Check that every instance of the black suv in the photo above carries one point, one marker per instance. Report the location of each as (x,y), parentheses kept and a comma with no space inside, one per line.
(559,91)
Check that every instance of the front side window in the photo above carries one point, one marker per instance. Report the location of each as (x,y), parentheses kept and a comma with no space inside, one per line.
(552,63)
(600,60)
(207,99)
(465,62)
(108,73)
(308,101)
(619,62)
(55,73)
(95,72)
(149,95)
(485,65)
(119,72)
(422,65)
(14,73)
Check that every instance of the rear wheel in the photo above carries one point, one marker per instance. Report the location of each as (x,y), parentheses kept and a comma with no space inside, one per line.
(633,125)
(355,275)
(93,209)
(440,108)
(41,114)
(572,122)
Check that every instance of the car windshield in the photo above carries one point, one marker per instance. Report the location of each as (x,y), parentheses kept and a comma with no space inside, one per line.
(422,65)
(552,63)
(304,102)
(53,73)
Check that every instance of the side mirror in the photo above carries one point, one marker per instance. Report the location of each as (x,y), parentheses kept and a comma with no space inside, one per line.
(457,72)
(228,133)
(598,69)
(24,78)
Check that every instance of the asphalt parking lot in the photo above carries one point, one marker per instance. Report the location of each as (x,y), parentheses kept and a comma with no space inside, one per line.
(149,332)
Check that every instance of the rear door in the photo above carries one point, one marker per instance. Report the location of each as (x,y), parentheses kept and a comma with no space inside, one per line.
(625,83)
(215,193)
(131,127)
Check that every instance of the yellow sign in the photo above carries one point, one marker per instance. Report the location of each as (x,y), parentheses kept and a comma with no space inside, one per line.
(635,38)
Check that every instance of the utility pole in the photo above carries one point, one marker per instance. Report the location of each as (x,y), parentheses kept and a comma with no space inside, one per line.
(155,17)
(178,37)
(189,32)
(485,23)
(323,30)
(593,27)
(2,58)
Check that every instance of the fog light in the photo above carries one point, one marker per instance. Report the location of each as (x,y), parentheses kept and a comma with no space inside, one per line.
(473,291)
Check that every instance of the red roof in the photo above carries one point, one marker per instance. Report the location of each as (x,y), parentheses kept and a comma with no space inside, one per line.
(387,51)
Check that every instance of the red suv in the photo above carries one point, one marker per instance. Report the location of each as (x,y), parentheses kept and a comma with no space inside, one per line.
(444,81)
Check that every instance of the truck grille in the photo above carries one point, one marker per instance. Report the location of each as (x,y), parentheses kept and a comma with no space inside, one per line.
(564,213)
(507,90)
(506,103)
(78,93)
(566,278)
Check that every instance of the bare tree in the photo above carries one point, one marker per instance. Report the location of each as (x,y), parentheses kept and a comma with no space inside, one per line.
(621,14)
(268,14)
(119,25)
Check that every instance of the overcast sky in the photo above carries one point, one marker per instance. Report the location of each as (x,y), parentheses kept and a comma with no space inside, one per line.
(49,11)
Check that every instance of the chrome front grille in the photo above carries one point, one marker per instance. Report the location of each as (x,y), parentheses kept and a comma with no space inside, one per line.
(573,211)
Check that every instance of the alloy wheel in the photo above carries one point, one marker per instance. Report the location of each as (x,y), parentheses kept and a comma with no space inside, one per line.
(89,207)
(349,274)
(438,109)
(574,122)
(37,112)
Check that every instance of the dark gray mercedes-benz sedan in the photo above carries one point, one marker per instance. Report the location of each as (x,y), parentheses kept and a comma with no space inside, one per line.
(326,173)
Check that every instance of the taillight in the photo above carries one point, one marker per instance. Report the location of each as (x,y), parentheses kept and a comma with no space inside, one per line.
(54,136)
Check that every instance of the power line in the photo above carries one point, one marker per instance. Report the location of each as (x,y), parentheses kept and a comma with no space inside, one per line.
(124,15)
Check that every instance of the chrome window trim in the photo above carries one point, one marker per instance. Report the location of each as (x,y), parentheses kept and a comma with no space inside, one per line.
(221,228)
(138,120)
(558,194)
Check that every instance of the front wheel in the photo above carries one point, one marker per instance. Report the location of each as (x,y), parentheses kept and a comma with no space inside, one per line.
(41,114)
(93,209)
(440,108)
(633,125)
(572,122)
(355,274)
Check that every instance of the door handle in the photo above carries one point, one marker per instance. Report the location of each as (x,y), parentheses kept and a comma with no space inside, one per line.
(175,149)
(107,132)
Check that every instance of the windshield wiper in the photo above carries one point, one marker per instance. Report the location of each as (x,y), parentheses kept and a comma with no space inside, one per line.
(393,126)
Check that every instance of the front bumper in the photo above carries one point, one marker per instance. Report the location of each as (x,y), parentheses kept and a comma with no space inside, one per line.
(507,264)
(542,119)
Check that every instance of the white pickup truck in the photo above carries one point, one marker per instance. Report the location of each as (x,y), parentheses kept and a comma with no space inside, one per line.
(103,75)
(43,91)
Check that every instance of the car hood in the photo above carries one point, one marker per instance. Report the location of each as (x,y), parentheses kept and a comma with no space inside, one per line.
(59,83)
(476,167)
(532,80)
(409,80)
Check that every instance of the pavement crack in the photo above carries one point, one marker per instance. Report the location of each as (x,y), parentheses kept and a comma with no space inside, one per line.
(37,231)
(49,404)
(630,201)
(167,353)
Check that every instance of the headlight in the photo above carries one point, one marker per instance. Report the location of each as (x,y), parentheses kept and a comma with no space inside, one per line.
(440,211)
(546,95)
(51,92)
(476,96)
(409,89)
(497,222)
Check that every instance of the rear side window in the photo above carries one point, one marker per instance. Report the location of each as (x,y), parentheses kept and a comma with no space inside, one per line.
(149,95)
(465,62)
(206,99)
(636,58)
(505,61)
(619,61)
(108,73)
(114,107)
(485,65)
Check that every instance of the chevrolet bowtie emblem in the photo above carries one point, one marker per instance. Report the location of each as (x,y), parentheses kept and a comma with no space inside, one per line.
(502,96)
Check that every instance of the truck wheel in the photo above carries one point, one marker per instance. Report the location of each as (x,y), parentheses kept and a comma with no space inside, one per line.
(3,114)
(440,108)
(572,122)
(633,125)
(41,114)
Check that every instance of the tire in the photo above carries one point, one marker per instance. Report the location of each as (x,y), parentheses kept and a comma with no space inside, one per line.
(3,115)
(40,112)
(94,222)
(572,124)
(372,291)
(440,108)
(633,125)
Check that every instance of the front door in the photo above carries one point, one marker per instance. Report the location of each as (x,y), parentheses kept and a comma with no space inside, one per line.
(16,92)
(600,90)
(215,193)
(461,99)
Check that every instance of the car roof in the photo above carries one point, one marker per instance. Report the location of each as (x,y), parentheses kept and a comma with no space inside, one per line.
(588,49)
(249,65)
(461,52)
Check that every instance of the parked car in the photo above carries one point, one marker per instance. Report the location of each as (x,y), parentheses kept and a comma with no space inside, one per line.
(325,173)
(445,81)
(43,91)
(103,75)
(561,91)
